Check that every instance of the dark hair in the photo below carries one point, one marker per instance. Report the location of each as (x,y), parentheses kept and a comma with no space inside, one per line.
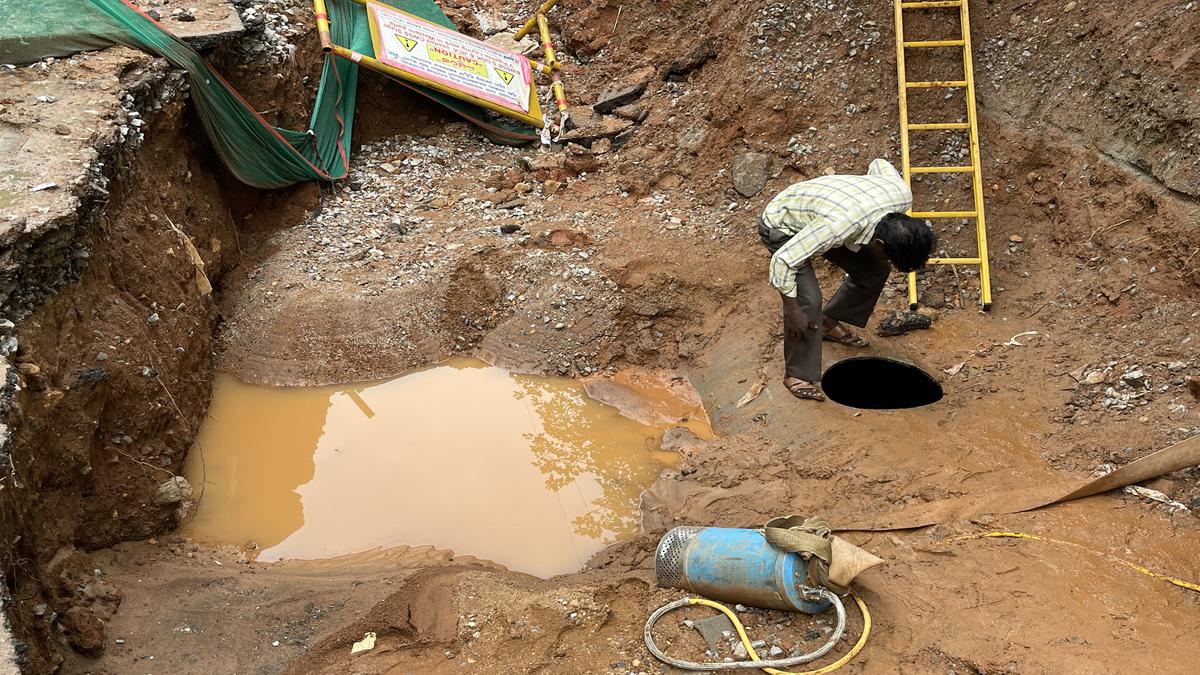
(907,241)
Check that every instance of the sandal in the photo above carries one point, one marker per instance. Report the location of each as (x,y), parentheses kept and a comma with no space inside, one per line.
(844,337)
(803,390)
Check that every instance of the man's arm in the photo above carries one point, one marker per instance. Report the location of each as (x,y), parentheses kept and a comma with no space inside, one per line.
(816,238)
(882,167)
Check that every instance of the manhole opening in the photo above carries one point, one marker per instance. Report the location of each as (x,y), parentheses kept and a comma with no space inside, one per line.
(877,383)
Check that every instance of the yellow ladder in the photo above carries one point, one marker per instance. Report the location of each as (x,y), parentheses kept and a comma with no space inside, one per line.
(972,128)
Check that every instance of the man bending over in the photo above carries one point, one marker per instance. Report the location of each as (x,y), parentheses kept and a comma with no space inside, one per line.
(855,222)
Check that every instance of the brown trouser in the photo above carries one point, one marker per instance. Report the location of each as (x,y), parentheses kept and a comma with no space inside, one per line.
(867,271)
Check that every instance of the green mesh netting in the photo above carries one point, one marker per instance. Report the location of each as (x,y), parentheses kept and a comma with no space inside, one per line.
(256,152)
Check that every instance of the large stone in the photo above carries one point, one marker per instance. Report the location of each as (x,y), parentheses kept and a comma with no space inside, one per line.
(615,98)
(750,173)
(173,491)
(84,630)
(634,112)
(605,128)
(692,139)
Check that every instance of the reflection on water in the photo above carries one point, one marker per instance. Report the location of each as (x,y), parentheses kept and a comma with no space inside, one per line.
(529,472)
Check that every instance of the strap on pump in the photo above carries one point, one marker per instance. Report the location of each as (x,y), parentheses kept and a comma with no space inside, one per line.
(810,539)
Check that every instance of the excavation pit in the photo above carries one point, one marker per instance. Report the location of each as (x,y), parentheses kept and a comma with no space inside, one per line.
(529,472)
(876,383)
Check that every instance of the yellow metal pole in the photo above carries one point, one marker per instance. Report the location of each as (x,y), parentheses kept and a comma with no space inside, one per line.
(556,85)
(985,280)
(546,7)
(322,25)
(901,81)
(547,45)
(560,96)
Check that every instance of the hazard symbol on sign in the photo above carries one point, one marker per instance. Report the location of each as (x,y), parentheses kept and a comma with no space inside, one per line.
(408,43)
(504,75)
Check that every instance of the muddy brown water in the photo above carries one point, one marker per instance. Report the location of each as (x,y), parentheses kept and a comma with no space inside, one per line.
(530,472)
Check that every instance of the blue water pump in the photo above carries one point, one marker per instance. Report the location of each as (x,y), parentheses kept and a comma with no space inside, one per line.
(734,565)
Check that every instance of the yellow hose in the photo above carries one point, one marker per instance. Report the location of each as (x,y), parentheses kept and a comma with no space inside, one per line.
(1120,561)
(741,631)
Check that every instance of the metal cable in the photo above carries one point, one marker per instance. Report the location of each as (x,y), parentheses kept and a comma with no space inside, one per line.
(810,594)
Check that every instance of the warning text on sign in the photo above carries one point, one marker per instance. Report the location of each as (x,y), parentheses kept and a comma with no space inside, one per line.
(440,55)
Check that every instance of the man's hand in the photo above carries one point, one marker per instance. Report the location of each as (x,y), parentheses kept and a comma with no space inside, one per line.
(796,319)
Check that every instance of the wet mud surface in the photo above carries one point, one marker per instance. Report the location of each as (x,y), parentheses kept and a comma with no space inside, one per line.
(589,260)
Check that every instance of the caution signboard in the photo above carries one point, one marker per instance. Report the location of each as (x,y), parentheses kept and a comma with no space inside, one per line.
(454,63)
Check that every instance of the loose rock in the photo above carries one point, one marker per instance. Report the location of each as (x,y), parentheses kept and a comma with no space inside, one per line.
(615,98)
(699,55)
(899,323)
(750,173)
(173,491)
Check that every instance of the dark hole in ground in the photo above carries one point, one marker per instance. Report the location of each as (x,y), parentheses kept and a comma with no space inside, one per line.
(879,384)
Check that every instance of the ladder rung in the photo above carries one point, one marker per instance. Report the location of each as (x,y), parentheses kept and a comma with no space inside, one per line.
(930,5)
(954,261)
(936,83)
(941,169)
(944,214)
(935,43)
(941,126)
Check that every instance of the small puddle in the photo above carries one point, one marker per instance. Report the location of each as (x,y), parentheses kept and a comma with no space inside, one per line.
(530,472)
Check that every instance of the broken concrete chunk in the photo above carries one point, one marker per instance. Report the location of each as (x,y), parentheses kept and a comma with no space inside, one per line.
(634,112)
(714,629)
(489,23)
(750,173)
(364,645)
(606,128)
(173,491)
(615,98)
(1135,376)
(899,323)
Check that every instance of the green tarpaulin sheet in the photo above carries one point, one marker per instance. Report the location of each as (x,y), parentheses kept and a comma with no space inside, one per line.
(258,153)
